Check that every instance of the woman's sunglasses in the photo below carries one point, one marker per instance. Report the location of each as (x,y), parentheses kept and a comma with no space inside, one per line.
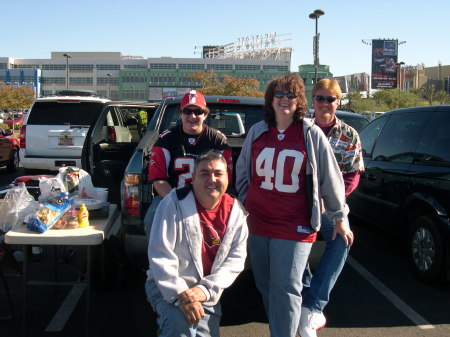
(329,99)
(188,111)
(281,94)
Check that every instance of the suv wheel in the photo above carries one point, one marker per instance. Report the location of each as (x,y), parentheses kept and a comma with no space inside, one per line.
(426,249)
(13,164)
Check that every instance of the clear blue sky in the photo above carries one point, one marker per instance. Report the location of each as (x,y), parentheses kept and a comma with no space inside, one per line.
(149,28)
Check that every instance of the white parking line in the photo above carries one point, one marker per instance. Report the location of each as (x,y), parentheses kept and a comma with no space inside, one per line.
(65,310)
(421,322)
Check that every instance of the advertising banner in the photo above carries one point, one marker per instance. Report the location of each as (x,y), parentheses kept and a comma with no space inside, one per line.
(384,70)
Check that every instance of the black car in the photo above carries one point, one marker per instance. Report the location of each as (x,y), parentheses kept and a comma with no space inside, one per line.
(406,184)
(355,120)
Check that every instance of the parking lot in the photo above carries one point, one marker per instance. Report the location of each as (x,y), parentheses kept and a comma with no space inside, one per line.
(376,295)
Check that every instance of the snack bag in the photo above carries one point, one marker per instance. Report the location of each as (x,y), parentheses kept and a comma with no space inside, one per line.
(69,220)
(49,213)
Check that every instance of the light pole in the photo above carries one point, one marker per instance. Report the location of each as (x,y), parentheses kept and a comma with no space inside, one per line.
(67,56)
(109,85)
(315,16)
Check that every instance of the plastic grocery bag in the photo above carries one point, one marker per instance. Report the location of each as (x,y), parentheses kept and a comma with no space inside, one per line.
(16,205)
(51,187)
(49,213)
(77,182)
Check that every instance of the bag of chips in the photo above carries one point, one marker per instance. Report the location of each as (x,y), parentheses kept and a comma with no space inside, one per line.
(49,213)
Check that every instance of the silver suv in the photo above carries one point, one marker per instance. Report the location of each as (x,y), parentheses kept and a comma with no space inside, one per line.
(54,131)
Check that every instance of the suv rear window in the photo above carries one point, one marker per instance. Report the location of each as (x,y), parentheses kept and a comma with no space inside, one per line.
(54,113)
(225,118)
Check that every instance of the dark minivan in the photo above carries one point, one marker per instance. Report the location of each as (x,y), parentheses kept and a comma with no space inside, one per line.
(406,185)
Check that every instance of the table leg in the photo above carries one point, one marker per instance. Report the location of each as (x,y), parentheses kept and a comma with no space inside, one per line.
(88,289)
(26,255)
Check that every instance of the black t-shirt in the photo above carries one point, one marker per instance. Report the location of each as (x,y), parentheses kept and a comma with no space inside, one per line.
(174,153)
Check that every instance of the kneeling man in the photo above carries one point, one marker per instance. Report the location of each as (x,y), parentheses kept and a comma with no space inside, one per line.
(197,248)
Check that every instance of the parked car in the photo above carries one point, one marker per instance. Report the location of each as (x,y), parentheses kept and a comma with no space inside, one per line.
(9,150)
(16,120)
(406,184)
(55,128)
(355,120)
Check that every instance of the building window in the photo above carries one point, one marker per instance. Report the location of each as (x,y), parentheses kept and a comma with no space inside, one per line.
(188,66)
(163,79)
(108,66)
(135,79)
(103,80)
(219,67)
(2,65)
(247,67)
(135,66)
(81,66)
(81,80)
(26,66)
(163,66)
(55,80)
(53,67)
(276,68)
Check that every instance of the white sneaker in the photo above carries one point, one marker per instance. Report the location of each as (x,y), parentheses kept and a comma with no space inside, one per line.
(310,322)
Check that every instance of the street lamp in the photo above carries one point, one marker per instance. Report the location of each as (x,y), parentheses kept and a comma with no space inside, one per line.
(109,85)
(67,56)
(315,16)
(399,75)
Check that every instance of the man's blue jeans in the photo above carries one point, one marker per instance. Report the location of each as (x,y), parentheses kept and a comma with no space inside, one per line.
(150,215)
(172,322)
(319,285)
(278,266)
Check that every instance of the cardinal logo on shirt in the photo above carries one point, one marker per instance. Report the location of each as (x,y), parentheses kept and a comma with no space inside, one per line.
(191,140)
(281,136)
(210,235)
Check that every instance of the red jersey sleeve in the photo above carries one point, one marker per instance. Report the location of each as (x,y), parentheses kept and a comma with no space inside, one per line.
(158,164)
(227,154)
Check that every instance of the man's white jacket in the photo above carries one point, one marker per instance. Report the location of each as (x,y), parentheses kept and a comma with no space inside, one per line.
(175,246)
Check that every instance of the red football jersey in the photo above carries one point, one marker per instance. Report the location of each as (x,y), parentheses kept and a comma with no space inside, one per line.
(276,198)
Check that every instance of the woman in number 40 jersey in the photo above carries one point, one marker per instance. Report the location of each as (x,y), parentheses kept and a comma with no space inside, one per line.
(285,168)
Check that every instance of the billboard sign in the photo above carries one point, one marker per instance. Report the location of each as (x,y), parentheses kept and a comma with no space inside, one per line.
(384,58)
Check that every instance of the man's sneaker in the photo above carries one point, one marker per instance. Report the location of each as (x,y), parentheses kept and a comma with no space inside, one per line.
(310,322)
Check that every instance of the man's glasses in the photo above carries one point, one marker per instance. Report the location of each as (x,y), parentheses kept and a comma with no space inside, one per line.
(321,99)
(188,111)
(281,94)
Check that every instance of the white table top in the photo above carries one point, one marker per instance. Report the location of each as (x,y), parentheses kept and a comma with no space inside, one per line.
(89,236)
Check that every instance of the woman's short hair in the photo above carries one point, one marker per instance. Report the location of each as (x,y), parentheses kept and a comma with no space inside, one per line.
(328,84)
(289,82)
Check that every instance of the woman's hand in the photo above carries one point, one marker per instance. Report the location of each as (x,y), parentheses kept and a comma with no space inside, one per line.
(341,228)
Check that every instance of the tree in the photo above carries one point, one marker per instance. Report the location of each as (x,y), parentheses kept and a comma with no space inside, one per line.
(352,96)
(229,86)
(429,92)
(14,98)
(442,97)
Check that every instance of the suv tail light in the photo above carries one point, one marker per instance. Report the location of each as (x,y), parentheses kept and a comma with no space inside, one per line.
(131,200)
(22,137)
(112,137)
